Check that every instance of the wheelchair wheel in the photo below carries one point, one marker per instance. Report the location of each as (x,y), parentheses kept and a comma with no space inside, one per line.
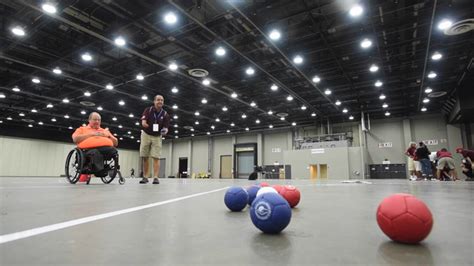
(112,168)
(73,167)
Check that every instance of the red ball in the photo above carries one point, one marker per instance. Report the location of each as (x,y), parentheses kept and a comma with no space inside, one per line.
(277,188)
(404,218)
(264,184)
(291,194)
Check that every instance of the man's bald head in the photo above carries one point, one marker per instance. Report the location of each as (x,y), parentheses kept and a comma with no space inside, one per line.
(94,120)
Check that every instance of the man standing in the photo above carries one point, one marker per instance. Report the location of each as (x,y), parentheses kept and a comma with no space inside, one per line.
(445,161)
(423,155)
(411,161)
(155,123)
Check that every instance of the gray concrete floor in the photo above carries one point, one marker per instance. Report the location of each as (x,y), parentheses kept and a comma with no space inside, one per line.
(334,224)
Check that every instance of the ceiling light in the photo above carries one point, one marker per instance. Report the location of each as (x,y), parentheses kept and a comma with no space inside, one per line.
(206,82)
(274,87)
(87,94)
(196,113)
(378,83)
(34,110)
(436,56)
(356,11)
(36,80)
(220,51)
(338,103)
(224,109)
(204,101)
(250,71)
(298,59)
(114,118)
(289,98)
(373,68)
(21,114)
(253,104)
(100,108)
(228,130)
(175,137)
(170,18)
(57,71)
(351,117)
(303,107)
(270,112)
(233,95)
(244,116)
(144,97)
(208,133)
(282,118)
(86,57)
(16,89)
(423,109)
(293,124)
(232,124)
(327,92)
(66,116)
(175,106)
(30,125)
(275,35)
(217,119)
(65,100)
(257,121)
(197,122)
(120,41)
(2,96)
(426,100)
(247,129)
(174,90)
(428,90)
(109,86)
(83,112)
(213,127)
(121,102)
(316,79)
(270,126)
(49,8)
(53,119)
(366,43)
(49,105)
(173,66)
(120,126)
(382,97)
(175,125)
(345,110)
(384,105)
(432,75)
(175,117)
(445,24)
(313,114)
(387,113)
(140,76)
(18,31)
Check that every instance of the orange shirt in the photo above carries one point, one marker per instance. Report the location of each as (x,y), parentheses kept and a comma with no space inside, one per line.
(94,141)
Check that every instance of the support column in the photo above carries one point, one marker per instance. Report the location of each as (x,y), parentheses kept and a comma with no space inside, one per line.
(260,149)
(190,158)
(169,161)
(454,140)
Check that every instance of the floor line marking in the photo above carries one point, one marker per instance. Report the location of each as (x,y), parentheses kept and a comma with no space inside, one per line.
(58,226)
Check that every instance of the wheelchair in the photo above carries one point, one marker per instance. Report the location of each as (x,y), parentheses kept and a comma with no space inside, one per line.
(79,162)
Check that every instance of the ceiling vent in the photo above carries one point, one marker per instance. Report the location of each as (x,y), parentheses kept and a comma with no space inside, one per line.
(198,72)
(28,120)
(460,27)
(282,114)
(87,103)
(437,94)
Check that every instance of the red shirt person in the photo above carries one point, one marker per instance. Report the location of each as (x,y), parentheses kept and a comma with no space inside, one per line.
(92,135)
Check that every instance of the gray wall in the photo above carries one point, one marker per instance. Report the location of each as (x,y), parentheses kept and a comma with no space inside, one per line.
(200,156)
(273,141)
(180,149)
(382,132)
(28,157)
(247,138)
(222,146)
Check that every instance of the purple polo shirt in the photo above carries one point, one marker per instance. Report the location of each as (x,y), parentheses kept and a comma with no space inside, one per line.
(153,116)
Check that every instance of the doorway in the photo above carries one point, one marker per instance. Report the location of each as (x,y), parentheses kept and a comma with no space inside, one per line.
(245,164)
(162,172)
(313,171)
(226,166)
(323,170)
(183,167)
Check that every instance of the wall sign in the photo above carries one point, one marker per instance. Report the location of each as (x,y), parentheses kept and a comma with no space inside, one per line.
(276,149)
(241,149)
(316,151)
(385,145)
(431,142)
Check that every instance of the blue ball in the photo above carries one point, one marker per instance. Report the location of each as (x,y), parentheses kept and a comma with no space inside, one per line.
(236,198)
(270,213)
(252,190)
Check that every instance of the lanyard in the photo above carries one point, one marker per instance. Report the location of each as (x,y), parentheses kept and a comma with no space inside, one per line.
(159,114)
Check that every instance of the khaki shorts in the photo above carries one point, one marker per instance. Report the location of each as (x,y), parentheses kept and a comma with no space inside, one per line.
(411,164)
(446,161)
(150,146)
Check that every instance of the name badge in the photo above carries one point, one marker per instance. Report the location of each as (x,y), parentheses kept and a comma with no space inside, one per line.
(156,127)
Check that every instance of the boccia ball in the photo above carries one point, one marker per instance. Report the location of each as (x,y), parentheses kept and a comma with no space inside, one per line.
(404,218)
(270,213)
(263,184)
(277,188)
(252,191)
(291,194)
(236,198)
(264,190)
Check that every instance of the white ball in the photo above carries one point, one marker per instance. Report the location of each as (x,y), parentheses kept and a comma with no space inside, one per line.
(264,190)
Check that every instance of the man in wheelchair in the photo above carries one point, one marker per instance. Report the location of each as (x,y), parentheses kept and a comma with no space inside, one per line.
(98,145)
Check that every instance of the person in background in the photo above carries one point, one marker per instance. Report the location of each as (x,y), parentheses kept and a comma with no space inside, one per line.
(467,170)
(466,154)
(423,155)
(445,163)
(155,123)
(412,167)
